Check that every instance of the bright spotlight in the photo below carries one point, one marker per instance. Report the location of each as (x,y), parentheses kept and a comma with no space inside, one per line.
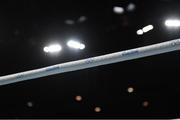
(144,29)
(52,48)
(82,46)
(118,10)
(140,32)
(147,28)
(75,44)
(172,23)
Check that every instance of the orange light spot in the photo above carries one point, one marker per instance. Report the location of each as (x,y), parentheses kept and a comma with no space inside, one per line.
(97,109)
(130,89)
(78,98)
(145,104)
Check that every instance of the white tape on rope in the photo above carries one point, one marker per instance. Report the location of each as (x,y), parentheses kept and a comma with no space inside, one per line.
(93,62)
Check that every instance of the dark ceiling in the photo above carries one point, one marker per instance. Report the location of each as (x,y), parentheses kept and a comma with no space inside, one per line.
(27,26)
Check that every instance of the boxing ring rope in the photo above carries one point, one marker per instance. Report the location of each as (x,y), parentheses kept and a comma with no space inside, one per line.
(93,62)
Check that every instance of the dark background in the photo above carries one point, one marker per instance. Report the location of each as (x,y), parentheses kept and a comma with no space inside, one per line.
(27,26)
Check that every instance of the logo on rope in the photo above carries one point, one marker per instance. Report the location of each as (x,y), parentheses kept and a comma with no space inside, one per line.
(175,43)
(130,52)
(89,61)
(20,76)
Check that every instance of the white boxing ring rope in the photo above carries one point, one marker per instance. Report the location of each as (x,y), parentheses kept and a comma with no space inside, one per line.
(93,62)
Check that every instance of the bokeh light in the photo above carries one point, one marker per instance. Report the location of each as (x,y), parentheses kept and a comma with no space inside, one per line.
(78,98)
(145,104)
(54,48)
(118,10)
(130,90)
(97,109)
